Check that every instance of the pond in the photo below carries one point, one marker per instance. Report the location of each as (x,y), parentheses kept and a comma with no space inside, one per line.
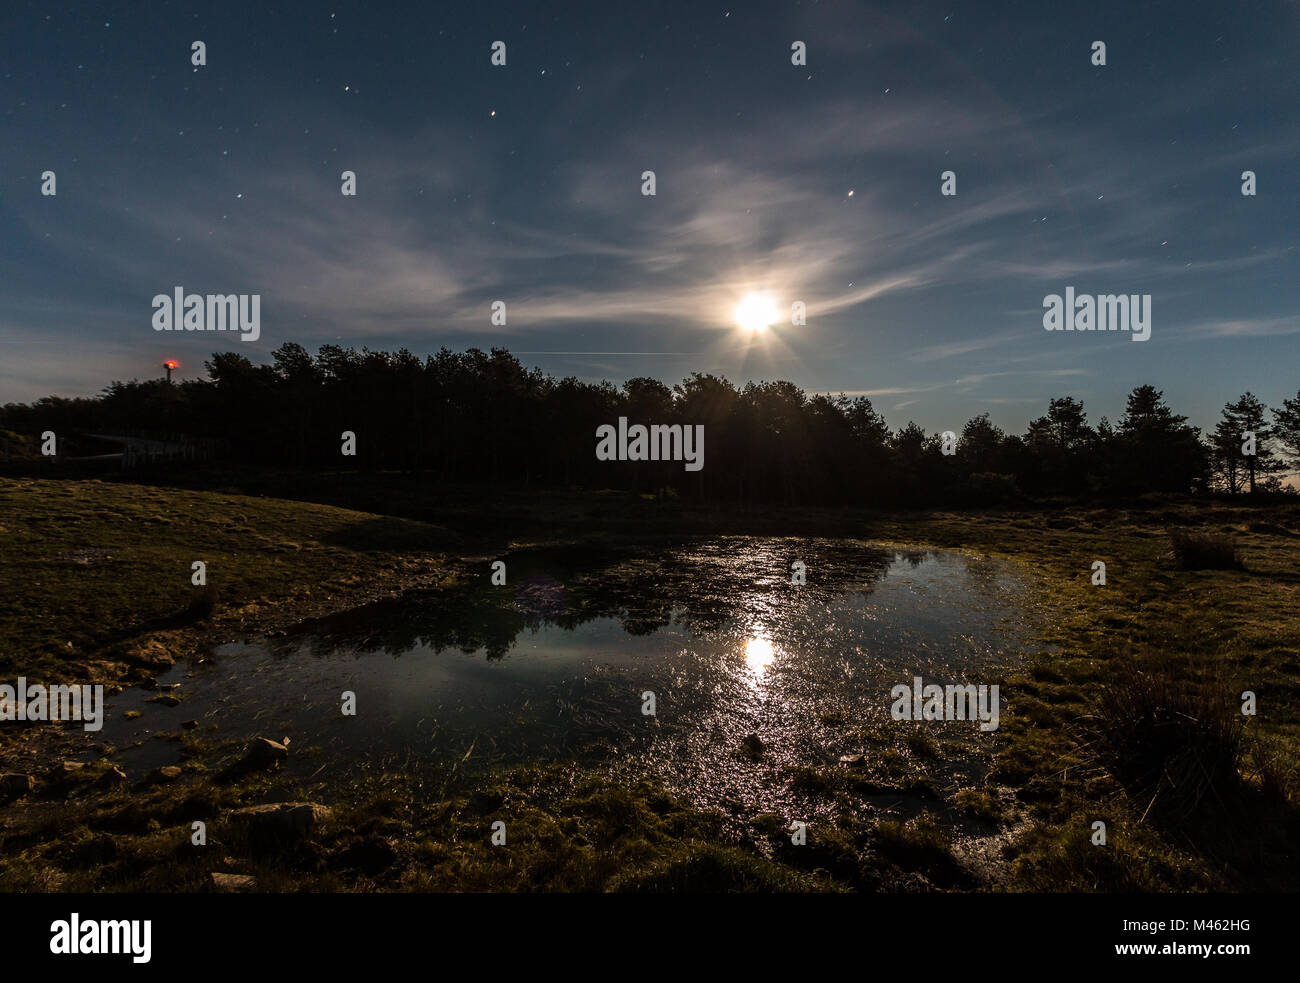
(749,674)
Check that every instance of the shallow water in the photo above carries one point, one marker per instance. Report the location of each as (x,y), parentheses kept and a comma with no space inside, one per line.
(555,666)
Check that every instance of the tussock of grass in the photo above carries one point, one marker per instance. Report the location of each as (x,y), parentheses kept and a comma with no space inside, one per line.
(1183,753)
(203,605)
(978,803)
(1204,551)
(1175,745)
(921,845)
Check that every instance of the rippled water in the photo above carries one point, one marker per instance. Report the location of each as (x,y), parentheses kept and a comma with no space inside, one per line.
(555,666)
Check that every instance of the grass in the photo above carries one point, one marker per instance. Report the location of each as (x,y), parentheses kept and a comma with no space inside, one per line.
(564,832)
(1138,689)
(96,576)
(1129,714)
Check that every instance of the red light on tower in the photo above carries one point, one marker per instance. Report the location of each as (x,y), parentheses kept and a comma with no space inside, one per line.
(170,364)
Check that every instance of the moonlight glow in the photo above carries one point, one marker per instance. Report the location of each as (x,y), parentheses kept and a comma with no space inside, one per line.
(758,655)
(756,313)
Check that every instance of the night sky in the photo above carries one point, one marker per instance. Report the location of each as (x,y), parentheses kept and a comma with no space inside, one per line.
(523,183)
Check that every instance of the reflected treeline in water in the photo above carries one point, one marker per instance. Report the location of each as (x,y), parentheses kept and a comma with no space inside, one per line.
(698,586)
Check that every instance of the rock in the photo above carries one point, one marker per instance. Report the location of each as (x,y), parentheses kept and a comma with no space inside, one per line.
(152,654)
(279,820)
(260,754)
(167,773)
(69,768)
(167,701)
(263,753)
(15,786)
(753,746)
(852,760)
(113,776)
(189,724)
(233,882)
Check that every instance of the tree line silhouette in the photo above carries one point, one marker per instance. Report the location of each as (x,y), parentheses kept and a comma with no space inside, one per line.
(477,416)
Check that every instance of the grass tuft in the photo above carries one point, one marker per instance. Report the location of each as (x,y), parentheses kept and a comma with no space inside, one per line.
(1204,551)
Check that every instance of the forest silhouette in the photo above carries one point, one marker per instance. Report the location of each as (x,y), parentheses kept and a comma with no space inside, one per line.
(482,417)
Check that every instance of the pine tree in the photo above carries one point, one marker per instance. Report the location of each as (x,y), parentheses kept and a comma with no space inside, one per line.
(1155,448)
(1245,420)
(1286,429)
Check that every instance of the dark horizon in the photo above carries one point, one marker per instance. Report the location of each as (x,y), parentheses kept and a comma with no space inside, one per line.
(482,416)
(897,421)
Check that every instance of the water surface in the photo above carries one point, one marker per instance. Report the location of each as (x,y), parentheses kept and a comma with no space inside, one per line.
(557,665)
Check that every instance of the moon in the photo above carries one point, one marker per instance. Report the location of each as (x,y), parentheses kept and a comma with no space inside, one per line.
(755,313)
